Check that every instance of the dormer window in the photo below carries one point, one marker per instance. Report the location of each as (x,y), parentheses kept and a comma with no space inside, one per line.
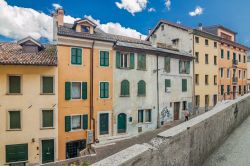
(30,45)
(85,28)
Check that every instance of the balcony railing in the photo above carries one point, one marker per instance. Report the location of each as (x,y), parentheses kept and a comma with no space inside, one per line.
(234,62)
(235,80)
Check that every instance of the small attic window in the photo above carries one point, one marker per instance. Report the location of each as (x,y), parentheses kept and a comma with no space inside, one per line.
(85,28)
(30,45)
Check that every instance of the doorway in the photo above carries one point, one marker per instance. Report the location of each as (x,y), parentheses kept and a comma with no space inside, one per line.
(48,151)
(122,123)
(176,110)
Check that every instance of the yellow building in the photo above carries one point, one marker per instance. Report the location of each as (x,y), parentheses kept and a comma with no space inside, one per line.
(248,74)
(206,50)
(28,103)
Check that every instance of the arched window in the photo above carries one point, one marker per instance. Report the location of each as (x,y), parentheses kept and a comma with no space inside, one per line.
(141,88)
(125,88)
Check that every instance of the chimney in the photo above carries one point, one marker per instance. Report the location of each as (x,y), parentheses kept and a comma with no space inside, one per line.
(200,26)
(60,16)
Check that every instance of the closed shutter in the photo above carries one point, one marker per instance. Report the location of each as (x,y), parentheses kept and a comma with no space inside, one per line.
(15,119)
(85,122)
(14,84)
(125,88)
(67,123)
(17,152)
(167,83)
(132,61)
(79,56)
(188,67)
(141,88)
(106,61)
(73,56)
(48,84)
(118,59)
(144,62)
(84,90)
(47,118)
(184,85)
(222,53)
(67,90)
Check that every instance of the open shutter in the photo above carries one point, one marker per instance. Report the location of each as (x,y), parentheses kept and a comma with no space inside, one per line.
(79,56)
(84,90)
(67,90)
(188,67)
(180,62)
(149,116)
(84,122)
(118,59)
(132,61)
(67,123)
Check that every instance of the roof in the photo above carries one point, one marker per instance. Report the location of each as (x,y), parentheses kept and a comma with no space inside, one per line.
(12,54)
(220,27)
(67,30)
(20,42)
(163,21)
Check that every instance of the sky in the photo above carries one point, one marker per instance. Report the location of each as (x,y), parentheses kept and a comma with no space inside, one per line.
(21,18)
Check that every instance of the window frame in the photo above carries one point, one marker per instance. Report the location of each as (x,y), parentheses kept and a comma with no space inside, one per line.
(76,64)
(206,59)
(145,114)
(206,79)
(8,120)
(122,60)
(103,98)
(8,84)
(126,95)
(197,57)
(72,90)
(71,121)
(206,42)
(104,66)
(197,39)
(41,118)
(41,83)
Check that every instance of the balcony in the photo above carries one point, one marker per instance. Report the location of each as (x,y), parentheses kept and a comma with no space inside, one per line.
(235,80)
(234,62)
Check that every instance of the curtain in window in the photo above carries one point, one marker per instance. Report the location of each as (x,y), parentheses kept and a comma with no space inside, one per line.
(76,90)
(76,122)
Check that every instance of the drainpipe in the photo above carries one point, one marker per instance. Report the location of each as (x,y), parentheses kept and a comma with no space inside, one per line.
(92,119)
(193,91)
(157,85)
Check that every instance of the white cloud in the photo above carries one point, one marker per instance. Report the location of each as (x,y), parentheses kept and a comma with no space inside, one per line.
(198,11)
(151,10)
(117,28)
(57,6)
(132,6)
(168,4)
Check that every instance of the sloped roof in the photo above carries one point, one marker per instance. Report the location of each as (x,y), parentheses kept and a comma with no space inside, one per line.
(12,54)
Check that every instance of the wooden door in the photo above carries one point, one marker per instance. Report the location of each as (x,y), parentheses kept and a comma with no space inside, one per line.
(122,123)
(176,110)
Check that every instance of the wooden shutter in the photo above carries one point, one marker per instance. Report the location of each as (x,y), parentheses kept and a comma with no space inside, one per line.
(149,116)
(188,67)
(167,64)
(132,61)
(73,56)
(79,56)
(17,152)
(67,90)
(125,88)
(14,84)
(144,62)
(48,84)
(180,67)
(15,119)
(84,90)
(84,122)
(67,123)
(167,83)
(106,62)
(184,85)
(118,59)
(222,53)
(141,88)
(47,118)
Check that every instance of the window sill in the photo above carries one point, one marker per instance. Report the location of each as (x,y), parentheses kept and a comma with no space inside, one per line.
(47,128)
(124,95)
(14,130)
(142,69)
(124,68)
(47,93)
(141,95)
(17,162)
(12,94)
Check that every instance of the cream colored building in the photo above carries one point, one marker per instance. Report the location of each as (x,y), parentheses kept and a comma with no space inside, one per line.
(28,103)
(206,50)
(248,74)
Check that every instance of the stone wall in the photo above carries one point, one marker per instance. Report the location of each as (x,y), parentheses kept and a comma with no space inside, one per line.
(189,143)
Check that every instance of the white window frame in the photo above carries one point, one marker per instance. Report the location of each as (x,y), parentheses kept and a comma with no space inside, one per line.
(123,60)
(8,120)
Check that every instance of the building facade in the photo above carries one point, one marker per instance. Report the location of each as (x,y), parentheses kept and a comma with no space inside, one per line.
(248,73)
(28,105)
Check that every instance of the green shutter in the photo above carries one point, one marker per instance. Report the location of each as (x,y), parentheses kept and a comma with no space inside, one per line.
(167,64)
(118,59)
(73,56)
(167,83)
(67,123)
(85,122)
(125,88)
(228,55)
(188,67)
(222,53)
(184,85)
(14,84)
(132,61)
(104,90)
(15,119)
(67,90)
(149,116)
(16,153)
(79,56)
(141,88)
(142,112)
(102,59)
(47,118)
(84,90)
(180,62)
(48,84)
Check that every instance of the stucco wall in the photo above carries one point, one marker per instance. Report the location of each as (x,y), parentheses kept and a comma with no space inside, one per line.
(189,143)
(30,103)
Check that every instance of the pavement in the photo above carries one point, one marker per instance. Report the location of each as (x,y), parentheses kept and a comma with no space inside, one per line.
(235,151)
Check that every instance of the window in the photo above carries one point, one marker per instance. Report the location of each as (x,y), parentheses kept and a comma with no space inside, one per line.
(16,153)
(124,60)
(197,101)
(104,90)
(206,42)
(244,58)
(222,89)
(215,79)
(228,55)
(125,88)
(197,79)
(141,88)
(197,40)
(104,58)
(240,89)
(140,116)
(239,58)
(167,65)
(215,44)
(14,84)
(184,105)
(215,60)
(206,100)
(206,80)
(162,27)
(175,42)
(245,89)
(244,74)
(228,73)
(148,116)
(14,120)
(75,90)
(206,58)
(239,74)
(184,85)
(85,29)
(141,62)
(47,85)
(228,89)
(184,67)
(167,85)
(47,118)
(222,53)
(221,72)
(76,122)
(76,56)
(74,147)
(197,57)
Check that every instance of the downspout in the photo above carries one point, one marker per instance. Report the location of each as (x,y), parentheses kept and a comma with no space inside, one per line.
(92,91)
(157,85)
(194,78)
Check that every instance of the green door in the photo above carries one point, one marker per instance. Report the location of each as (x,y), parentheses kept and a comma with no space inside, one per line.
(122,123)
(47,151)
(104,123)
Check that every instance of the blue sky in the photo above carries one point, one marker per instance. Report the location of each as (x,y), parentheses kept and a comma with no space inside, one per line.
(230,13)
